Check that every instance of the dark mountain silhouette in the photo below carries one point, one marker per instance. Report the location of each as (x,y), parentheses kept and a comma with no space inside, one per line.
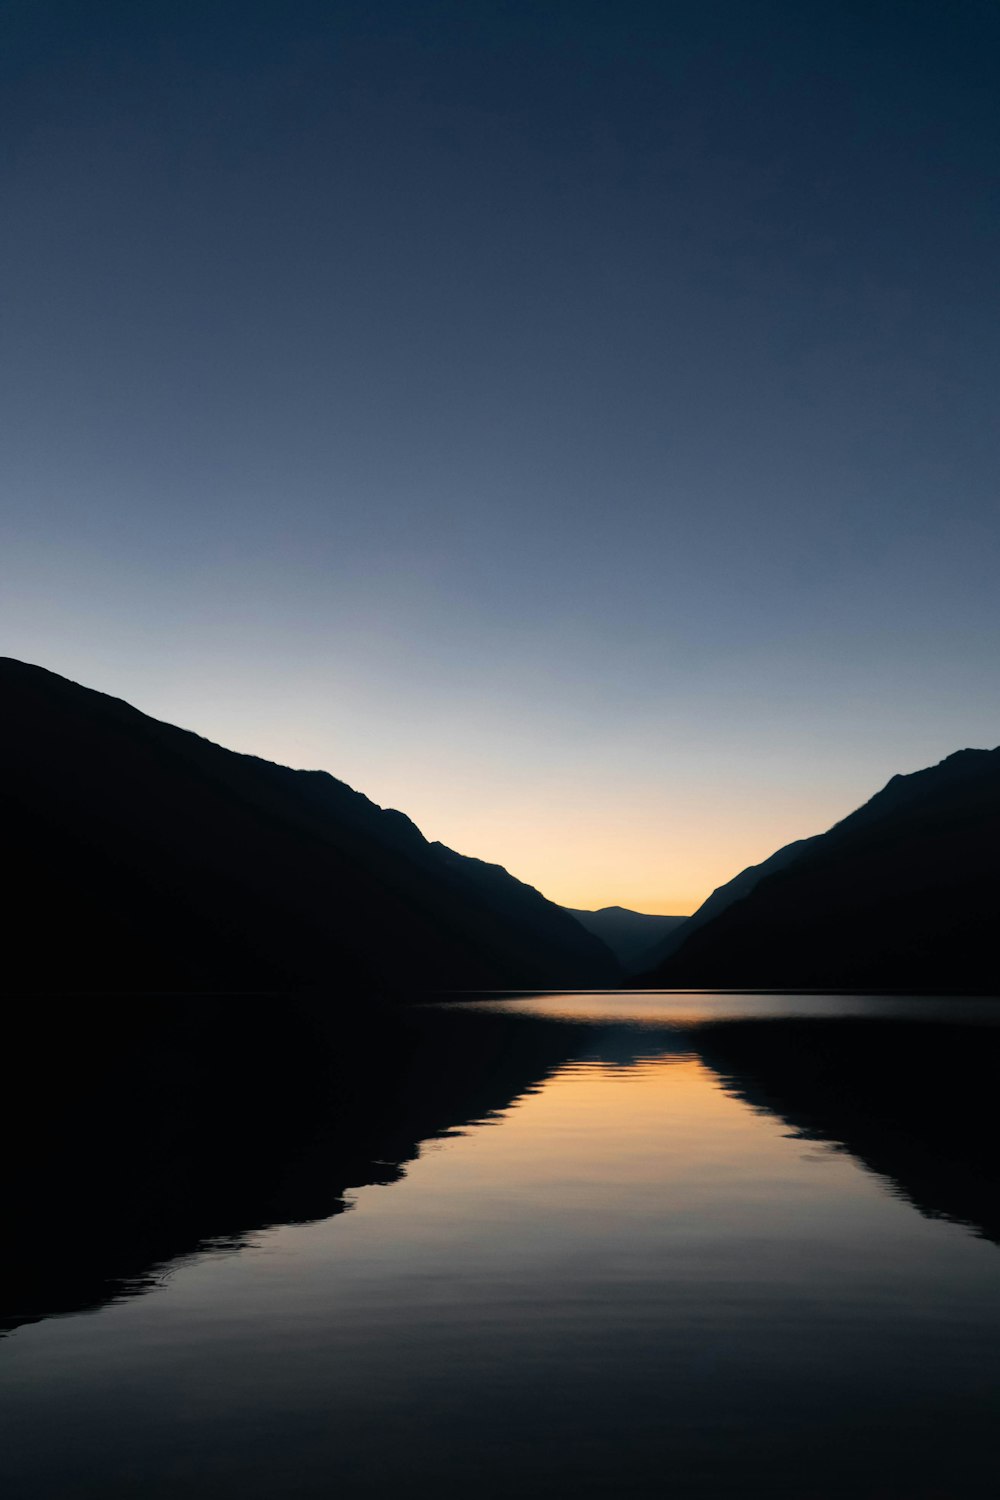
(156,1128)
(902,894)
(724,895)
(629,934)
(147,858)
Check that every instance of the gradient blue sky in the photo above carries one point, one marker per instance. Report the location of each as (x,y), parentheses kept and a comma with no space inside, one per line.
(572,423)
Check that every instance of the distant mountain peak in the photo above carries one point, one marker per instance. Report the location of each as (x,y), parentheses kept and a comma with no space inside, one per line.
(629,934)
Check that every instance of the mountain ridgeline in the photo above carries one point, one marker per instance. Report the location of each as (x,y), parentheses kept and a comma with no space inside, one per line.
(146,858)
(634,937)
(724,895)
(902,894)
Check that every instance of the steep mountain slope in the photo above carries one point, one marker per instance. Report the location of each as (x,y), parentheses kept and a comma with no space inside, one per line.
(629,934)
(724,895)
(903,894)
(145,857)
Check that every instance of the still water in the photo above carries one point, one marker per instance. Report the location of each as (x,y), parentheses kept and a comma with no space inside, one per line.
(661,1245)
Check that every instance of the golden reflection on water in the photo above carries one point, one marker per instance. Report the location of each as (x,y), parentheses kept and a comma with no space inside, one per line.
(613,1148)
(627,1281)
(689,1007)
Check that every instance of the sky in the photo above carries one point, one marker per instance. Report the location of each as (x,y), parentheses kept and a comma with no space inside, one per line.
(574,424)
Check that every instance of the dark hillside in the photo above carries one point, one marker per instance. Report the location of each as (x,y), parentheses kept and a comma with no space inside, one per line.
(629,934)
(903,894)
(146,858)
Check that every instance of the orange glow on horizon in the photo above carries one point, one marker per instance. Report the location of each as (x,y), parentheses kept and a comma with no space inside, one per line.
(586,832)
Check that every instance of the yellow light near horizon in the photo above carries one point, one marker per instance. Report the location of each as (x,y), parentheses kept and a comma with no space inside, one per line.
(590,862)
(584,837)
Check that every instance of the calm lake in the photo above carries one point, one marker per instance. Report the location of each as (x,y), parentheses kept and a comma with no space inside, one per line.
(615,1245)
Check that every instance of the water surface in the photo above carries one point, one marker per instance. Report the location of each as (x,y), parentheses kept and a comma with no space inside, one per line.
(557,1245)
